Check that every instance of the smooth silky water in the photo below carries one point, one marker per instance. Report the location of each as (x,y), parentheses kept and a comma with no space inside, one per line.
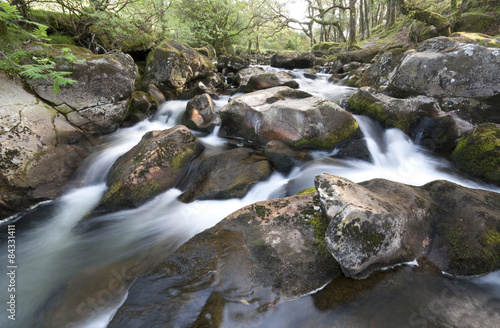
(74,271)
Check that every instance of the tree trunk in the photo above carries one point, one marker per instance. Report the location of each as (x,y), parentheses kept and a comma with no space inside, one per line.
(454,6)
(441,23)
(361,20)
(3,28)
(367,19)
(21,6)
(351,43)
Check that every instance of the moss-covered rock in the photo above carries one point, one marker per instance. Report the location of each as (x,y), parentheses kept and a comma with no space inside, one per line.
(293,117)
(479,154)
(474,22)
(154,165)
(260,255)
(172,65)
(98,101)
(390,112)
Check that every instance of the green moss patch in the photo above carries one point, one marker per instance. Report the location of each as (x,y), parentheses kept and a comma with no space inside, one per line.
(479,154)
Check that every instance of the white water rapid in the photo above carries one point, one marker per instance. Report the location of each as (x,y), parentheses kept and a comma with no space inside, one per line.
(54,249)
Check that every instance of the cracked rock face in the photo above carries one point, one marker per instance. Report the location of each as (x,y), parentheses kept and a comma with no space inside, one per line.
(372,226)
(293,117)
(97,102)
(38,149)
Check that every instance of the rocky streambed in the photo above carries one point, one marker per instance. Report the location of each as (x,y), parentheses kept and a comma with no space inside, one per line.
(276,206)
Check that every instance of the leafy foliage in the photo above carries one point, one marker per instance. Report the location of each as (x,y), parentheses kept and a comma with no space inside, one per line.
(21,63)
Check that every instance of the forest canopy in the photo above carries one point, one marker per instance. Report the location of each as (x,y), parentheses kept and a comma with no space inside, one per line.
(254,25)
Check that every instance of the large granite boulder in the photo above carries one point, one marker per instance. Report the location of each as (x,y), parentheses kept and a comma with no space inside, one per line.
(262,254)
(154,165)
(39,149)
(229,174)
(267,80)
(98,101)
(172,65)
(453,71)
(479,154)
(291,60)
(293,117)
(380,223)
(371,228)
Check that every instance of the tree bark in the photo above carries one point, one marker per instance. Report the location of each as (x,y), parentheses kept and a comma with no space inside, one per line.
(441,23)
(361,20)
(367,19)
(3,28)
(351,43)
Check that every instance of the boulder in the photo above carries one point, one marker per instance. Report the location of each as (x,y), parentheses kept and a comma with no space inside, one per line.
(241,78)
(229,174)
(140,106)
(39,149)
(231,64)
(200,114)
(363,55)
(437,133)
(445,67)
(376,75)
(380,223)
(267,80)
(98,101)
(373,226)
(282,157)
(479,154)
(172,65)
(391,112)
(262,254)
(291,60)
(154,165)
(293,117)
(474,22)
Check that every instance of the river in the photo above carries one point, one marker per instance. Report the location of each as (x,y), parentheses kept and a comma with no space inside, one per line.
(55,251)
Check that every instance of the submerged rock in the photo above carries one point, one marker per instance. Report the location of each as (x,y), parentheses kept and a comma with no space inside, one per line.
(293,117)
(154,165)
(262,254)
(98,101)
(229,174)
(39,149)
(282,157)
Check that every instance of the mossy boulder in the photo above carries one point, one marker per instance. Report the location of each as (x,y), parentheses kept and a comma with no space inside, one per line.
(390,112)
(229,174)
(374,225)
(263,254)
(291,60)
(363,55)
(172,65)
(380,223)
(476,38)
(474,22)
(154,165)
(325,48)
(293,117)
(466,238)
(140,106)
(377,74)
(98,101)
(479,153)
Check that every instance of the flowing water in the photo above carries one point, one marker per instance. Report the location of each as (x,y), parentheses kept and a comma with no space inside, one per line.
(57,247)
